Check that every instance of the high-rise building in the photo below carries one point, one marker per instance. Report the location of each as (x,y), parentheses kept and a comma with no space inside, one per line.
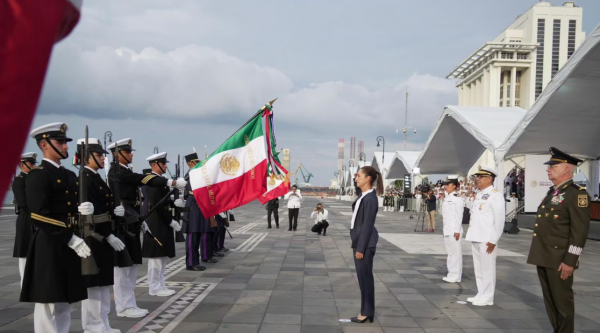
(514,68)
(286,159)
(352,152)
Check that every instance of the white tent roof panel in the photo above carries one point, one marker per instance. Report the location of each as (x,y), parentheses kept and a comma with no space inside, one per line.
(567,113)
(387,161)
(403,163)
(462,134)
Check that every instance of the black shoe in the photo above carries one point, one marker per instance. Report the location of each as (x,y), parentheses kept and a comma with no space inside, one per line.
(278,226)
(356,320)
(290,229)
(194,268)
(200,268)
(269,227)
(324,234)
(211,261)
(224,249)
(218,254)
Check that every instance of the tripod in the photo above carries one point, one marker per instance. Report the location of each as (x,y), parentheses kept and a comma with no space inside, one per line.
(422,214)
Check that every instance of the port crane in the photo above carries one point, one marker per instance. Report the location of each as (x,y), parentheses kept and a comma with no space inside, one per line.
(306,177)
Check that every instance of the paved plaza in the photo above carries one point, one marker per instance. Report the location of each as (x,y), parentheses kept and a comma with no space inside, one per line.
(278,281)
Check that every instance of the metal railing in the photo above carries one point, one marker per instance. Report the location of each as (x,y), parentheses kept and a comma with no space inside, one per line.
(513,213)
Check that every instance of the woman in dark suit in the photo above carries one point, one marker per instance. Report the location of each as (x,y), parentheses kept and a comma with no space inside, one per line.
(364,238)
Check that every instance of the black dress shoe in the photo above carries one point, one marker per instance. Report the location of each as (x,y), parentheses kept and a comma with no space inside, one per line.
(356,320)
(224,249)
(278,226)
(290,229)
(218,254)
(194,268)
(200,268)
(211,261)
(269,227)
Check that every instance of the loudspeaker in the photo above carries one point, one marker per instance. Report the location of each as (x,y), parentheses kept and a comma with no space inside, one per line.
(512,227)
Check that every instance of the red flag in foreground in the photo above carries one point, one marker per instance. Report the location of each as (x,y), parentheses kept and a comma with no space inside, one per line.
(28,30)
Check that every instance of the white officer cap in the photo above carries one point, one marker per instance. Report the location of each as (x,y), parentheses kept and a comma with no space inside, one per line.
(91,141)
(160,157)
(485,170)
(29,157)
(55,131)
(124,144)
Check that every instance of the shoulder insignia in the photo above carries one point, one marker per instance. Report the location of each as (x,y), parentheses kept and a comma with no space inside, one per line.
(19,176)
(456,195)
(494,190)
(579,187)
(147,179)
(39,168)
(582,200)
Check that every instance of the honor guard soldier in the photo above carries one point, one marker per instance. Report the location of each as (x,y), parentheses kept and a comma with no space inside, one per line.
(162,225)
(452,214)
(561,230)
(125,278)
(193,219)
(485,228)
(24,225)
(95,310)
(53,277)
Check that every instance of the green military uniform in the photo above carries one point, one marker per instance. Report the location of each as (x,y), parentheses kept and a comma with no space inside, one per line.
(561,230)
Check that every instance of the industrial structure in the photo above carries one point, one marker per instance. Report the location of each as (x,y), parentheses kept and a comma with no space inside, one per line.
(352,161)
(286,159)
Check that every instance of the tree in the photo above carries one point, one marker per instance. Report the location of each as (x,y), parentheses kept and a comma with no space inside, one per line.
(399,183)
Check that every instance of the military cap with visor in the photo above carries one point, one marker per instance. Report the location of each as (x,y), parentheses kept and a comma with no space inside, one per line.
(557,157)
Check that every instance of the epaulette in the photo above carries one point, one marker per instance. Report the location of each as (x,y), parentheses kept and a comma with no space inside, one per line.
(147,179)
(456,195)
(579,187)
(494,190)
(37,168)
(19,176)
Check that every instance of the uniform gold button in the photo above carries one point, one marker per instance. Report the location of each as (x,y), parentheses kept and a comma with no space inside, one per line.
(551,209)
(67,192)
(76,183)
(536,224)
(69,214)
(107,203)
(543,206)
(69,203)
(534,234)
(111,195)
(100,187)
(107,195)
(75,193)
(556,247)
(539,215)
(58,181)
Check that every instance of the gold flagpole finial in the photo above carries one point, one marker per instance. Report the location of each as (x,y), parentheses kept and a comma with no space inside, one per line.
(273,101)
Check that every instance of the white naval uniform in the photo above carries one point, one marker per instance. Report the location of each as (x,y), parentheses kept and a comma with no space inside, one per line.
(124,287)
(453,209)
(486,226)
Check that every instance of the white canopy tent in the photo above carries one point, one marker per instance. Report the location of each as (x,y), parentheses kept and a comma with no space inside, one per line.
(463,134)
(402,163)
(381,162)
(566,115)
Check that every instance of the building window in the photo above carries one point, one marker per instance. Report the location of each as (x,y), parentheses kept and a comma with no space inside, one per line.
(539,59)
(555,46)
(506,55)
(522,55)
(571,40)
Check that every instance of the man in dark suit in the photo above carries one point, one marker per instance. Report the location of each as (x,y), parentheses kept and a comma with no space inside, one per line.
(272,207)
(561,230)
(24,225)
(192,223)
(52,278)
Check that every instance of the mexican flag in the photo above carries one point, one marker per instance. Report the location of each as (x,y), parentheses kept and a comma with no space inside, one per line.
(278,182)
(235,173)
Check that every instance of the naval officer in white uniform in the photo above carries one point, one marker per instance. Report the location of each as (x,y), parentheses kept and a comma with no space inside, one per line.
(485,228)
(452,214)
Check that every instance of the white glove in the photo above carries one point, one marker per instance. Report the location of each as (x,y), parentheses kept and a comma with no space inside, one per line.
(115,243)
(181,183)
(179,203)
(86,208)
(175,225)
(120,211)
(145,226)
(172,197)
(79,246)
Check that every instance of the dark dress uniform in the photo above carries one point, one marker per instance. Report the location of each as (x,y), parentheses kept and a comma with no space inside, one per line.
(193,224)
(102,198)
(53,270)
(159,223)
(24,226)
(561,230)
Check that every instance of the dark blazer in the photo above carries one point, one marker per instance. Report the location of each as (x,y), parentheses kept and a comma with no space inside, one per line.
(364,234)
(430,200)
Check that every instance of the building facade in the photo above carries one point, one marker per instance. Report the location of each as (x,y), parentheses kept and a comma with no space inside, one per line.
(286,159)
(514,68)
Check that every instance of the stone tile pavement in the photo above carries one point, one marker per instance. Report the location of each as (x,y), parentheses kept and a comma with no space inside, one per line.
(276,280)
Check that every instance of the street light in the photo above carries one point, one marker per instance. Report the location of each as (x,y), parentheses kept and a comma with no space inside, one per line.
(109,135)
(382,140)
(362,157)
(156,149)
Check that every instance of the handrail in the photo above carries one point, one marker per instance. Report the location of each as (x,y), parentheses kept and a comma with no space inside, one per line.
(513,213)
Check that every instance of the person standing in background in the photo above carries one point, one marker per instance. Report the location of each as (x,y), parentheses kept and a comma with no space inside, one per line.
(294,199)
(272,207)
(431,207)
(452,219)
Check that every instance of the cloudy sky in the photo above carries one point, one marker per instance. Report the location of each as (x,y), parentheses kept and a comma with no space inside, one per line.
(183,74)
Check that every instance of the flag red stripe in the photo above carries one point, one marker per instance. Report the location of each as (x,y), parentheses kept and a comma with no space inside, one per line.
(233,193)
(280,190)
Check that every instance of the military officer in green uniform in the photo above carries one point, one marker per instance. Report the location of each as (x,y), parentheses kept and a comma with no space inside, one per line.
(561,229)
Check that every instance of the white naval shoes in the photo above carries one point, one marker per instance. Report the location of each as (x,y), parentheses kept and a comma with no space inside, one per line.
(164,293)
(142,310)
(450,280)
(473,299)
(482,303)
(112,330)
(132,313)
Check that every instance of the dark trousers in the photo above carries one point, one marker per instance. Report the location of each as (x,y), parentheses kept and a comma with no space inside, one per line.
(364,272)
(558,299)
(192,247)
(293,213)
(206,245)
(275,213)
(221,239)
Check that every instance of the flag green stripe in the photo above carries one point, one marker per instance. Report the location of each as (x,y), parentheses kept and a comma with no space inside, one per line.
(251,131)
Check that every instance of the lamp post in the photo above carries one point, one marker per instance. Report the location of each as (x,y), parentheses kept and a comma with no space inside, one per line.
(343,186)
(107,134)
(381,139)
(406,127)
(156,149)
